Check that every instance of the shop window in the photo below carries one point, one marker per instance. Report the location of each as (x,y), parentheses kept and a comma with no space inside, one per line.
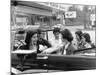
(21,21)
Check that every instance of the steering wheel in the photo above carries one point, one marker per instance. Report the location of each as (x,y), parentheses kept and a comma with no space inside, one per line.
(18,43)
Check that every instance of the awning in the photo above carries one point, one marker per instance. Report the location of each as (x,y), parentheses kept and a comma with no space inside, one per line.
(33,8)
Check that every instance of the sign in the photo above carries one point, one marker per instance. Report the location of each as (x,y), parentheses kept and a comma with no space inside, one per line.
(92,17)
(21,19)
(70,14)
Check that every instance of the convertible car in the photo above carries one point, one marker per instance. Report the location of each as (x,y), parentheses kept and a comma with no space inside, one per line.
(76,61)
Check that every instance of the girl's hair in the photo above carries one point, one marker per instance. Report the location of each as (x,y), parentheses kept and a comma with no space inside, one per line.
(87,37)
(79,33)
(66,34)
(55,30)
(29,36)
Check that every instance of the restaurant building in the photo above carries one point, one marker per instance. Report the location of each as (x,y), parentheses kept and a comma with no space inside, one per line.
(33,13)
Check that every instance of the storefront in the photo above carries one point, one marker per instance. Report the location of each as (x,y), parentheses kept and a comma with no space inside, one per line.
(32,13)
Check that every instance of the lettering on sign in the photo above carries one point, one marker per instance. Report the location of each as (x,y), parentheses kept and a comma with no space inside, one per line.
(71,14)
